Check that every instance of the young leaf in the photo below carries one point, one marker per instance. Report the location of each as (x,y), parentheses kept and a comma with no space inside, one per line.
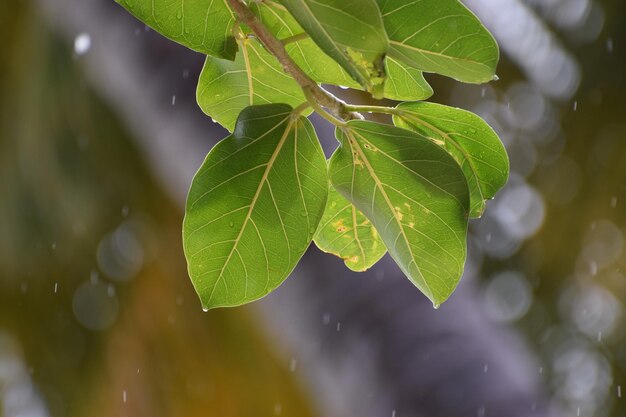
(202,25)
(470,140)
(349,31)
(345,232)
(440,36)
(254,206)
(225,87)
(403,82)
(415,195)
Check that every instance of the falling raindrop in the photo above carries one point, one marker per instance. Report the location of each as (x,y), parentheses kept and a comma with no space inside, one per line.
(174,100)
(82,43)
(609,45)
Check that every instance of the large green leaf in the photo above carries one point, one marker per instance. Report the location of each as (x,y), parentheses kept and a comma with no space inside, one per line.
(345,232)
(225,87)
(403,82)
(416,196)
(254,206)
(440,36)
(349,31)
(470,140)
(202,25)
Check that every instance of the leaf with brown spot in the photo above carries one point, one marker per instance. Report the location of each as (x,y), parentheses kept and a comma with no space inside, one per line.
(345,232)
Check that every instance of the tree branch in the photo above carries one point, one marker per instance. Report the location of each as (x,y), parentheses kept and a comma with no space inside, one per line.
(333,104)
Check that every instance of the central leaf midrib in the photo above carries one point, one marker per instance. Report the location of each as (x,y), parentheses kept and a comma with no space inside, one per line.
(362,79)
(255,198)
(352,141)
(437,54)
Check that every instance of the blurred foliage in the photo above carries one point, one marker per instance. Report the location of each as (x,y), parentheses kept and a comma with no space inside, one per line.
(70,176)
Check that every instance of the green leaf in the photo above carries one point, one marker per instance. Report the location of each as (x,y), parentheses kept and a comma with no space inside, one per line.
(345,232)
(405,83)
(349,31)
(440,36)
(254,206)
(474,145)
(202,25)
(416,196)
(225,87)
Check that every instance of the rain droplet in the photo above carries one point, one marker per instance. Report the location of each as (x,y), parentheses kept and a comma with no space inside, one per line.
(231,224)
(436,306)
(326,319)
(179,14)
(205,309)
(82,43)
